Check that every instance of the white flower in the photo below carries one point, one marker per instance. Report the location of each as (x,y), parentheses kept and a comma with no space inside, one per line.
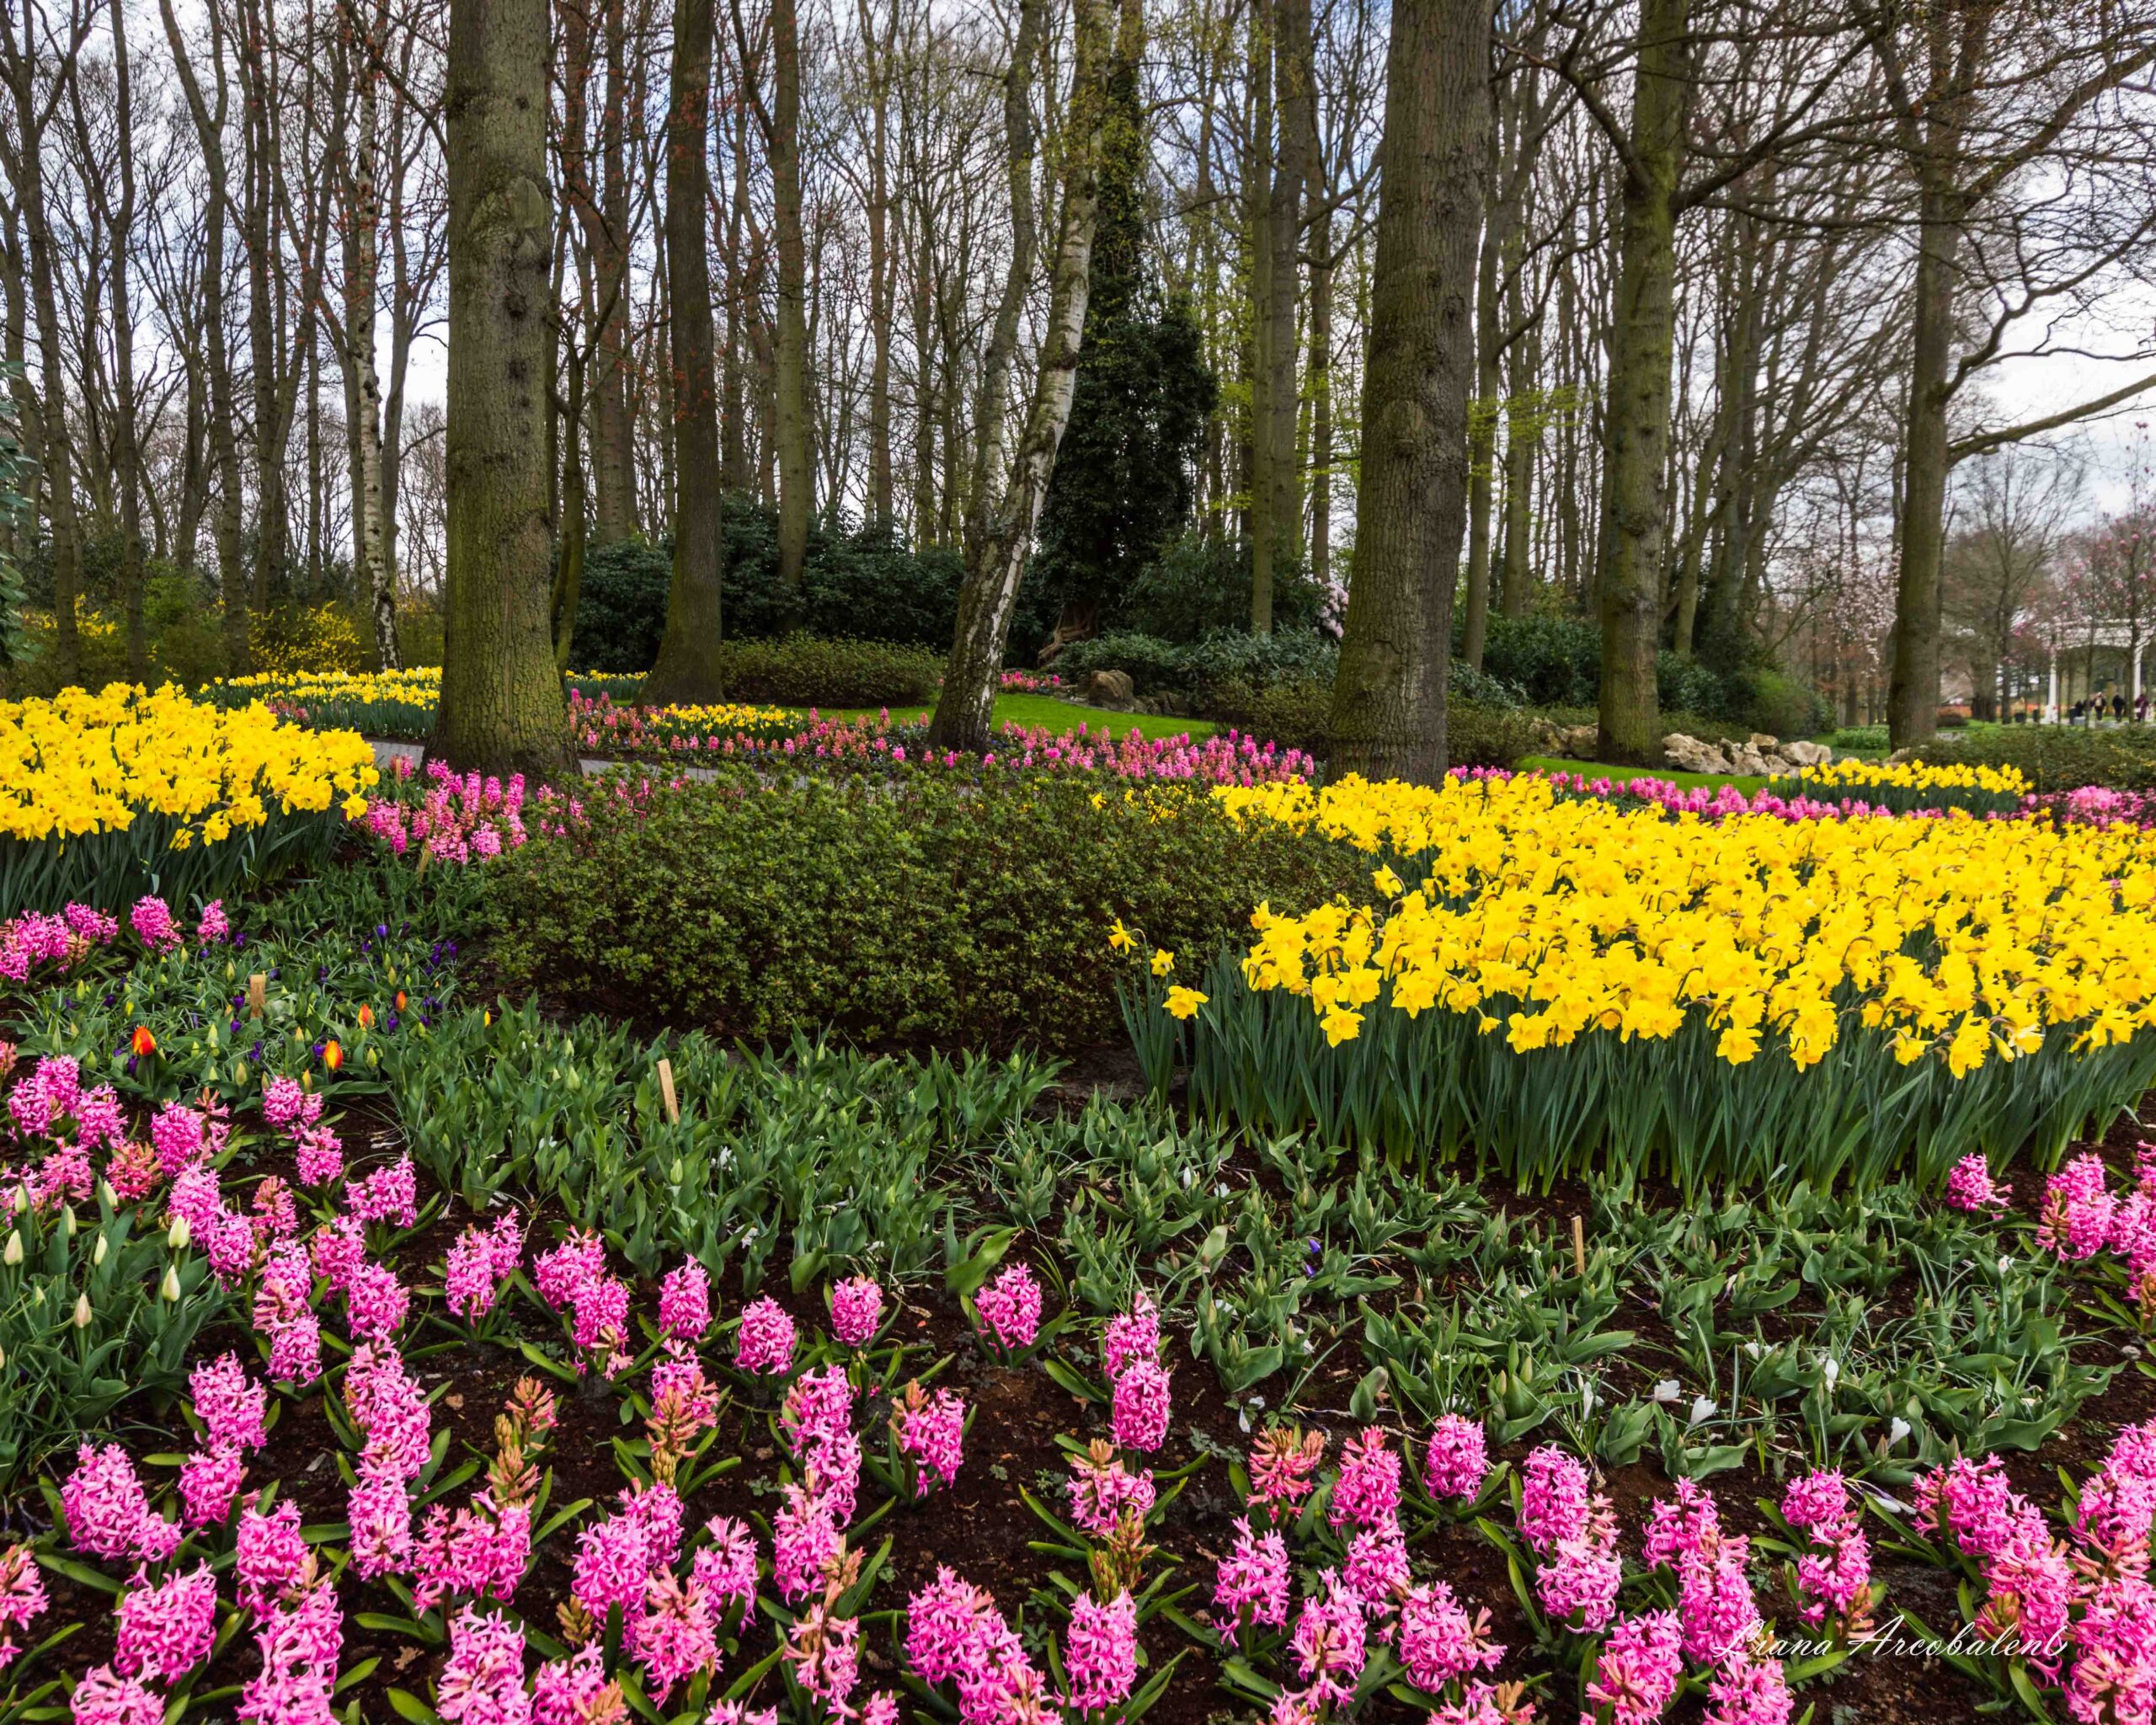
(1701,1409)
(1898,1429)
(1830,1369)
(1667,1390)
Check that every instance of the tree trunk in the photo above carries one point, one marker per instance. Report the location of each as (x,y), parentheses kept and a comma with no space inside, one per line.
(1294,103)
(1912,688)
(1523,428)
(796,479)
(501,707)
(1389,700)
(688,668)
(53,439)
(613,461)
(880,272)
(1636,476)
(272,502)
(127,443)
(362,266)
(1482,445)
(1000,532)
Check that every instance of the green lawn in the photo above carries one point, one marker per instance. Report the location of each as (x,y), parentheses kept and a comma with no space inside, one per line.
(1051,713)
(1746,783)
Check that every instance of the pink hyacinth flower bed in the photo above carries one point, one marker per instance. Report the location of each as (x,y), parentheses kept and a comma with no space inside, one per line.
(470,1467)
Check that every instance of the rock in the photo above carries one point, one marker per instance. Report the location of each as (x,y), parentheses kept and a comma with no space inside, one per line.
(1761,741)
(1808,754)
(1746,759)
(1110,688)
(1690,755)
(1574,742)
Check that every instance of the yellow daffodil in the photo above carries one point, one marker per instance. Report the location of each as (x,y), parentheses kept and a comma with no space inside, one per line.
(1164,961)
(1184,1002)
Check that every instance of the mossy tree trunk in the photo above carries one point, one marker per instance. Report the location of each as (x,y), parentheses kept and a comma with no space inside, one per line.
(1389,700)
(1636,474)
(501,696)
(688,665)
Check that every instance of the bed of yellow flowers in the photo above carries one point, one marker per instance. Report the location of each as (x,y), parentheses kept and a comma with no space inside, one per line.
(1902,785)
(1560,981)
(106,795)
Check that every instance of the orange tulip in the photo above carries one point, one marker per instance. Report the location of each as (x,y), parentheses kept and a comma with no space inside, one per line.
(333,1055)
(145,1044)
(367,1017)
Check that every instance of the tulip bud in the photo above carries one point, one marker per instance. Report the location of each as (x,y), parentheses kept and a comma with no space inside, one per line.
(81,1311)
(97,1252)
(169,1289)
(178,1233)
(13,1255)
(107,1196)
(67,1221)
(677,1173)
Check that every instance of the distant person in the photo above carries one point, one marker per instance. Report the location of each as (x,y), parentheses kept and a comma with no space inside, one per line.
(2141,708)
(2118,709)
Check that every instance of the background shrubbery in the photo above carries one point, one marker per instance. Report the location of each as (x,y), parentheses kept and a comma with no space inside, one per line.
(2057,758)
(807,670)
(970,914)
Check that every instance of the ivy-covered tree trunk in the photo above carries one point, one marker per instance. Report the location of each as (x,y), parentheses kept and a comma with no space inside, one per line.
(688,665)
(1000,533)
(501,696)
(1636,474)
(1389,700)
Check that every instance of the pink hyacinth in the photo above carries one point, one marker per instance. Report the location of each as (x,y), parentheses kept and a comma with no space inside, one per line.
(1971,1188)
(1250,1584)
(1458,1459)
(818,1408)
(856,1310)
(676,1638)
(825,1655)
(2078,1210)
(209,1481)
(1103,1491)
(151,920)
(1141,1405)
(765,1344)
(1578,1579)
(23,1598)
(1970,1503)
(1100,1651)
(390,1194)
(685,1302)
(1133,1335)
(1366,1493)
(480,1550)
(1685,1525)
(931,1430)
(1438,1642)
(1714,1605)
(1010,1306)
(231,1407)
(1376,1571)
(1749,1690)
(805,1541)
(103,1697)
(108,1514)
(163,1632)
(1833,1573)
(955,1634)
(482,1681)
(479,1265)
(726,1569)
(271,1557)
(1330,1641)
(1283,1464)
(1639,1668)
(1555,1501)
(213,925)
(378,1510)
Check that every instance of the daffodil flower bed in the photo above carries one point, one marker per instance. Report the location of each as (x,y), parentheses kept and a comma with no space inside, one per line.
(106,797)
(1903,786)
(1557,983)
(394,703)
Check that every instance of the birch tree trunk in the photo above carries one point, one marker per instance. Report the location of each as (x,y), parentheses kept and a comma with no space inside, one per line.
(1389,699)
(999,528)
(688,665)
(501,705)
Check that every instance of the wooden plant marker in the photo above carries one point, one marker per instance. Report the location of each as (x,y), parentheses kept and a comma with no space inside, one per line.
(666,1092)
(258,995)
(1579,1249)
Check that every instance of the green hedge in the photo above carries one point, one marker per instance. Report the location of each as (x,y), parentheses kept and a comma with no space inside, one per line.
(970,913)
(806,670)
(2057,758)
